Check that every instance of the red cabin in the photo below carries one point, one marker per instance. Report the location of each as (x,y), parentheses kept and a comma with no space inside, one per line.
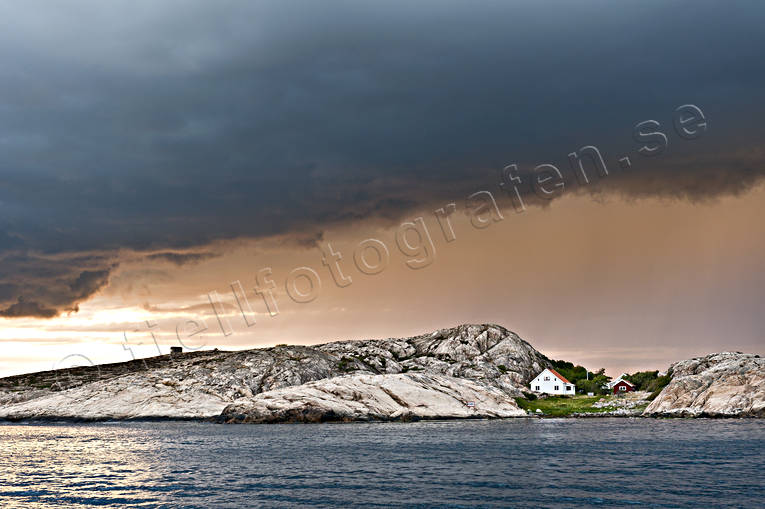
(623,386)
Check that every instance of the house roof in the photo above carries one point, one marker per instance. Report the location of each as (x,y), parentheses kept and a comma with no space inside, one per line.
(562,378)
(625,381)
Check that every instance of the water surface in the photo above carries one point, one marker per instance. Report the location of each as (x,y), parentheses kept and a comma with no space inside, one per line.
(516,463)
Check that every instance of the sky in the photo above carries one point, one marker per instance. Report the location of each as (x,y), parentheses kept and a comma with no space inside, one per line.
(380,170)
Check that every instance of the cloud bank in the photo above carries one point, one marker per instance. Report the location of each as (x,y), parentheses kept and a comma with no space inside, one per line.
(159,128)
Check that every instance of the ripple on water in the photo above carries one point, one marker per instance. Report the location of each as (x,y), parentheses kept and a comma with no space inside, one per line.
(531,463)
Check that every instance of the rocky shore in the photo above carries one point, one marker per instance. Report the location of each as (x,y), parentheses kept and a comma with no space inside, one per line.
(631,404)
(469,371)
(465,371)
(727,384)
(375,397)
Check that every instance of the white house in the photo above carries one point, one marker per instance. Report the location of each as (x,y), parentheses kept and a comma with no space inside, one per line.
(550,381)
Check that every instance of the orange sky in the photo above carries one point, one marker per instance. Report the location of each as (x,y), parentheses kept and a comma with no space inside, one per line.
(614,284)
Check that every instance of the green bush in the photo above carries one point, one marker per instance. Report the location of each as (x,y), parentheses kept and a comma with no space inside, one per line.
(658,385)
(594,385)
(345,364)
(569,371)
(643,379)
(585,380)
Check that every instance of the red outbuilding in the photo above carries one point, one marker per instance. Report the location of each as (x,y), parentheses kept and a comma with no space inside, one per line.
(623,386)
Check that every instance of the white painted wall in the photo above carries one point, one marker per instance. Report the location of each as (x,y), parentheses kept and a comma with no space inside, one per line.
(548,383)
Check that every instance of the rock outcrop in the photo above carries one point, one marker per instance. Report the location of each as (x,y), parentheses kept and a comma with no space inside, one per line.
(630,404)
(127,397)
(461,372)
(718,385)
(489,354)
(375,397)
(203,384)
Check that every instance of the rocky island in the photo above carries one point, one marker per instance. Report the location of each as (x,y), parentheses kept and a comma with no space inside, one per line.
(469,371)
(728,384)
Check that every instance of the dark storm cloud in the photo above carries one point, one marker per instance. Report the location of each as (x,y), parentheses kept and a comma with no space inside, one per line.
(44,286)
(155,126)
(180,259)
(22,308)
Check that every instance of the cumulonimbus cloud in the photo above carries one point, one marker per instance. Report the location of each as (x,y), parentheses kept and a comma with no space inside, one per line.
(251,121)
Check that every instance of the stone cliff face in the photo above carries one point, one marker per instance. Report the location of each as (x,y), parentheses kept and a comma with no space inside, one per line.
(461,372)
(718,385)
(487,353)
(432,375)
(375,397)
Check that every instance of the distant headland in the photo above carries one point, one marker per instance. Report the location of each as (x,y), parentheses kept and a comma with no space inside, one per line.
(469,371)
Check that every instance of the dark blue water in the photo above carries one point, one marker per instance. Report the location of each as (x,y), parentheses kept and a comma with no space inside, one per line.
(511,463)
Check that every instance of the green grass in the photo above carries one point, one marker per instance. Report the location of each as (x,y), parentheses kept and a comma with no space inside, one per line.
(558,406)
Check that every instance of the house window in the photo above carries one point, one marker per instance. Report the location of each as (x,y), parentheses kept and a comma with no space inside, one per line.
(557,387)
(622,388)
(536,388)
(547,379)
(568,387)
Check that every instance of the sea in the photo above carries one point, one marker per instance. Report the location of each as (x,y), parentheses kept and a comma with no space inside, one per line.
(593,462)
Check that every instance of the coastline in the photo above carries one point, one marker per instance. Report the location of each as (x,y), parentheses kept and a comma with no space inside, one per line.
(466,372)
(42,421)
